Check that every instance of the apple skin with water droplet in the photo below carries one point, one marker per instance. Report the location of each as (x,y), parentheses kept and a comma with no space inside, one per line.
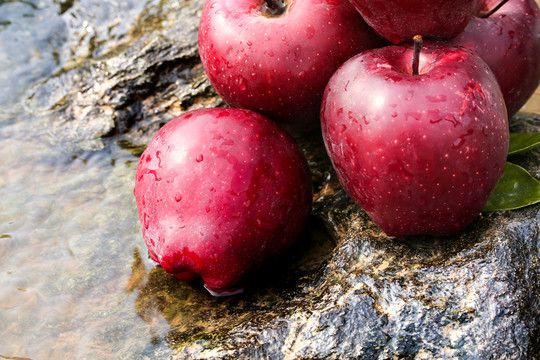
(279,64)
(419,153)
(400,20)
(509,42)
(219,191)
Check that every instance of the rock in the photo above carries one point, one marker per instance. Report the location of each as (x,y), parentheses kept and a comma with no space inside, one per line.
(139,82)
(472,296)
(345,290)
(363,295)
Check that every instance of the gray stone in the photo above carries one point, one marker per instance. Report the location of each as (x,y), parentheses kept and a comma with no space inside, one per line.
(144,80)
(473,296)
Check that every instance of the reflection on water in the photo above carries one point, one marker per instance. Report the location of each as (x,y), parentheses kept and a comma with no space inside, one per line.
(194,314)
(68,221)
(64,264)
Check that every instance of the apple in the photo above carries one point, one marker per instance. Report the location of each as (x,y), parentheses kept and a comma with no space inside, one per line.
(219,191)
(419,151)
(400,20)
(509,42)
(276,57)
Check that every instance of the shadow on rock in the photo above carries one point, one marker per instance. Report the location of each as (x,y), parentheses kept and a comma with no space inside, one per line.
(193,314)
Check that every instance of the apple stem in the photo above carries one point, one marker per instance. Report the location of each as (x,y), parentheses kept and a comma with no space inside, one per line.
(417,39)
(275,7)
(494,9)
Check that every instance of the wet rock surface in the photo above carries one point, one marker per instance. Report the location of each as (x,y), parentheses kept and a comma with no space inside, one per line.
(471,296)
(346,290)
(133,83)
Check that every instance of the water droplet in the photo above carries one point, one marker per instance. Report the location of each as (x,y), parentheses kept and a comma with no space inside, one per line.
(410,95)
(436,98)
(310,32)
(413,115)
(199,158)
(178,197)
(302,74)
(242,85)
(461,140)
(352,117)
(223,292)
(158,156)
(146,221)
(217,135)
(458,143)
(223,113)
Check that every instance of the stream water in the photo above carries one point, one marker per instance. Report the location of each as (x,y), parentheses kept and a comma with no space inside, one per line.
(69,233)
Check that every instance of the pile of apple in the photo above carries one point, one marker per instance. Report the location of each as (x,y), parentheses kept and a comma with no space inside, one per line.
(413,99)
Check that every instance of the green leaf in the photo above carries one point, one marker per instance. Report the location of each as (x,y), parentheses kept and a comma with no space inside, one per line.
(520,143)
(516,189)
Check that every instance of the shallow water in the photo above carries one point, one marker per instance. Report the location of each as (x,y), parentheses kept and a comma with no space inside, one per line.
(68,222)
(75,279)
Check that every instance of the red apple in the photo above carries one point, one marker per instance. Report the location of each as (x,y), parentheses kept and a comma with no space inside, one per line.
(420,153)
(276,58)
(400,20)
(509,42)
(219,191)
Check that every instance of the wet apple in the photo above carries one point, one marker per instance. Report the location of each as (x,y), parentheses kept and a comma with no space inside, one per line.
(219,191)
(275,57)
(418,139)
(508,40)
